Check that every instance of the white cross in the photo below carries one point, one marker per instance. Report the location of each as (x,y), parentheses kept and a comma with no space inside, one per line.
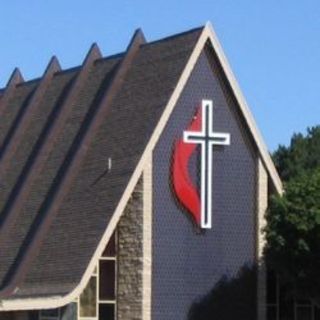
(206,138)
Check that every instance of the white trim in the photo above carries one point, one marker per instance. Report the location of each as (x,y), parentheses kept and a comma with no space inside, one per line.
(97,289)
(207,34)
(206,149)
(262,204)
(262,148)
(107,302)
(147,242)
(108,259)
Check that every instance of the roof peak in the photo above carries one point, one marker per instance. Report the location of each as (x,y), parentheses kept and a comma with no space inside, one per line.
(95,54)
(176,35)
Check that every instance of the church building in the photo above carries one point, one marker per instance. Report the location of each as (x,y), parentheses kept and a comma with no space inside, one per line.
(130,185)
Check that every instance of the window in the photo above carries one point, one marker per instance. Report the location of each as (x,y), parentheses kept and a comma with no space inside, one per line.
(98,300)
(107,284)
(106,311)
(280,307)
(88,305)
(107,280)
(306,310)
(272,296)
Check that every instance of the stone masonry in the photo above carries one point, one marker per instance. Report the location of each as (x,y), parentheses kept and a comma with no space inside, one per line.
(130,258)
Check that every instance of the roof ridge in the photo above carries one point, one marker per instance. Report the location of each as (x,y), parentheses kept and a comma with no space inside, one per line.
(8,148)
(173,36)
(74,159)
(15,79)
(111,56)
(43,152)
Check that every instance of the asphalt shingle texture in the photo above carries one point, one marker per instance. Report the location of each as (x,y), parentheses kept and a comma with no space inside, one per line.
(90,202)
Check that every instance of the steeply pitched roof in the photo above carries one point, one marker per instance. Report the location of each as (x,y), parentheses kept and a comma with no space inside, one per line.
(57,134)
(58,201)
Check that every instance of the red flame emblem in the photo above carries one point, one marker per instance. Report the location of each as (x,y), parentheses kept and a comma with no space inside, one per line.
(200,132)
(184,188)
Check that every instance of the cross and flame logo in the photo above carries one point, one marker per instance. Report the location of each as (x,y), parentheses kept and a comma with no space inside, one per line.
(200,132)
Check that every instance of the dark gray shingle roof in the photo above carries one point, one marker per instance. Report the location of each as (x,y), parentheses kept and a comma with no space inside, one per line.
(136,86)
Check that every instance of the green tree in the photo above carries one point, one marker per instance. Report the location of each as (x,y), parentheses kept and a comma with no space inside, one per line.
(293,235)
(302,155)
(293,219)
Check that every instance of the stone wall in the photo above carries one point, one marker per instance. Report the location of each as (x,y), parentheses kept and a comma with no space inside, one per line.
(130,258)
(133,258)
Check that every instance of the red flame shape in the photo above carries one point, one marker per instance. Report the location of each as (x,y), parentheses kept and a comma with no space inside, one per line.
(183,186)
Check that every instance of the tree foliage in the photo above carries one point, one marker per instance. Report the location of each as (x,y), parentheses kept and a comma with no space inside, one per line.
(293,219)
(293,234)
(302,156)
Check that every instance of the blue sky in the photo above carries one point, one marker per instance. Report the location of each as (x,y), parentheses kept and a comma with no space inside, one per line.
(272,46)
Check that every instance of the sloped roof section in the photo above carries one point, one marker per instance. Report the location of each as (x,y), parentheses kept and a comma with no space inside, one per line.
(56,199)
(58,202)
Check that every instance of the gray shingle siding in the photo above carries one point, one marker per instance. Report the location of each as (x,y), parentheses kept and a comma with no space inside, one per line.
(187,263)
